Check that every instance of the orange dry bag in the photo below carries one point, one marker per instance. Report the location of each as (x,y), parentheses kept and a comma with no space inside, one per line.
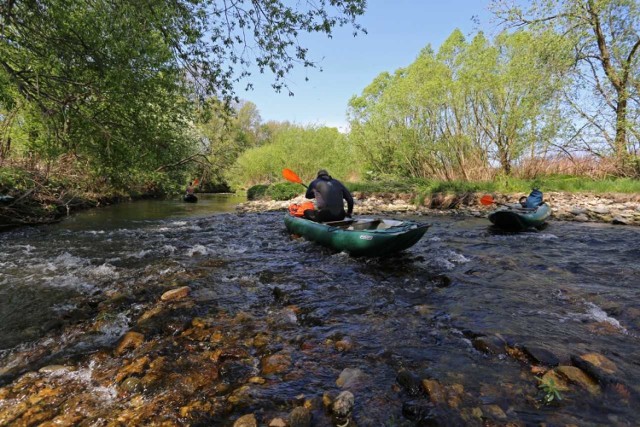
(298,209)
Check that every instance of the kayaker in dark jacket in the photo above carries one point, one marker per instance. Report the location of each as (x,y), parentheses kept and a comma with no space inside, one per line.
(329,194)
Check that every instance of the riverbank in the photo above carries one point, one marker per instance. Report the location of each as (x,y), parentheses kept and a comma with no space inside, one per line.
(32,197)
(612,208)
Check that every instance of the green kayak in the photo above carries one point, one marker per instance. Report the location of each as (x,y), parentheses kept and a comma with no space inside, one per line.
(519,219)
(360,237)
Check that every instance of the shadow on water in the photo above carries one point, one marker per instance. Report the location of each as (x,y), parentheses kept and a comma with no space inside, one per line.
(453,329)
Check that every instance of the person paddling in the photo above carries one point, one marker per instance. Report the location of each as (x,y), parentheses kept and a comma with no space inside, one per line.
(533,200)
(329,194)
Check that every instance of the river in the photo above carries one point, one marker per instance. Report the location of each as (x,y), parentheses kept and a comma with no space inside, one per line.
(459,329)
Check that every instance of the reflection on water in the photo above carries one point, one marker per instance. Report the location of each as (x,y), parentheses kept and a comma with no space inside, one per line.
(570,290)
(123,214)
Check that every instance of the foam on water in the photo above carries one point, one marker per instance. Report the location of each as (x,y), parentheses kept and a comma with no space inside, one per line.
(199,250)
(169,249)
(105,270)
(68,261)
(141,254)
(72,281)
(598,314)
(115,328)
(84,376)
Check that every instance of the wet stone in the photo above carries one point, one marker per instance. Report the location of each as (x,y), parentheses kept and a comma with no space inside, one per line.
(489,344)
(598,367)
(494,411)
(577,376)
(175,294)
(280,296)
(424,413)
(248,420)
(345,344)
(349,377)
(409,382)
(131,385)
(434,390)
(276,364)
(235,372)
(300,417)
(600,361)
(49,369)
(277,422)
(441,281)
(260,340)
(342,406)
(541,355)
(131,340)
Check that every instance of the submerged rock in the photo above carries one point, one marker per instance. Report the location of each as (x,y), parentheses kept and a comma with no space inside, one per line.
(409,382)
(489,344)
(276,364)
(248,420)
(175,294)
(435,391)
(345,344)
(300,417)
(564,375)
(349,377)
(131,340)
(342,406)
(541,355)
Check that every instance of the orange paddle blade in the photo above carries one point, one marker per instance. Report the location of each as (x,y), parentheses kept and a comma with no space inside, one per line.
(290,175)
(195,182)
(487,200)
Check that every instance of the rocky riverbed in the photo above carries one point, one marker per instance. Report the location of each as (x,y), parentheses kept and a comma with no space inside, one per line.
(227,320)
(604,208)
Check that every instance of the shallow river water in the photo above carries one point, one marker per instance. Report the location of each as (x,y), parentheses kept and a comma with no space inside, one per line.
(457,330)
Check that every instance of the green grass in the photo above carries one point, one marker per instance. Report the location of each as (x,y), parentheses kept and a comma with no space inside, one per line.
(422,188)
(569,184)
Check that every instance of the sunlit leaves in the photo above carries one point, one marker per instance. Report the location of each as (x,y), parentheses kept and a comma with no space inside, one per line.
(456,113)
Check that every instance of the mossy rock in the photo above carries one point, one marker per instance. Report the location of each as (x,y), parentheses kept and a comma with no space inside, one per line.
(283,191)
(257,192)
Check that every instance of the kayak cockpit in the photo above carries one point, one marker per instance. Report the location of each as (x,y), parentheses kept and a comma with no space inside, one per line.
(367,224)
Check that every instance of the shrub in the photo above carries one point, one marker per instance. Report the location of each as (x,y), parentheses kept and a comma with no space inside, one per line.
(257,191)
(283,191)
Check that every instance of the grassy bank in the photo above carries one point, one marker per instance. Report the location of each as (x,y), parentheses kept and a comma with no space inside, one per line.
(569,184)
(423,188)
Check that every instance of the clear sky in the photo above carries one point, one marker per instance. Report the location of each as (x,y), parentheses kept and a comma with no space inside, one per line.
(397,31)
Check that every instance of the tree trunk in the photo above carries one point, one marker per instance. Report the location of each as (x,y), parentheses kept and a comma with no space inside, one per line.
(620,143)
(505,161)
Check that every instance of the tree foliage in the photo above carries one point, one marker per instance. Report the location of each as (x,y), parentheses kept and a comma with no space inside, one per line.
(115,83)
(455,113)
(303,149)
(605,36)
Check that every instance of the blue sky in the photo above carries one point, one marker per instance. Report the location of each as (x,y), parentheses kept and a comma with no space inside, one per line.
(397,31)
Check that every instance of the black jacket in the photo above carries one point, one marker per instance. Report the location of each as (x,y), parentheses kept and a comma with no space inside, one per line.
(329,193)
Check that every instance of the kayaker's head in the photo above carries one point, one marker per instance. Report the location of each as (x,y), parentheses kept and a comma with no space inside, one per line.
(523,201)
(322,173)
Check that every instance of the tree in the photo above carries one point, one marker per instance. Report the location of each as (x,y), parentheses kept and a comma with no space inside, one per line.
(605,35)
(454,114)
(116,81)
(303,149)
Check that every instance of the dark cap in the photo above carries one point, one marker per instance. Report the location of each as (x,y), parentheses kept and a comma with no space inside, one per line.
(322,172)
